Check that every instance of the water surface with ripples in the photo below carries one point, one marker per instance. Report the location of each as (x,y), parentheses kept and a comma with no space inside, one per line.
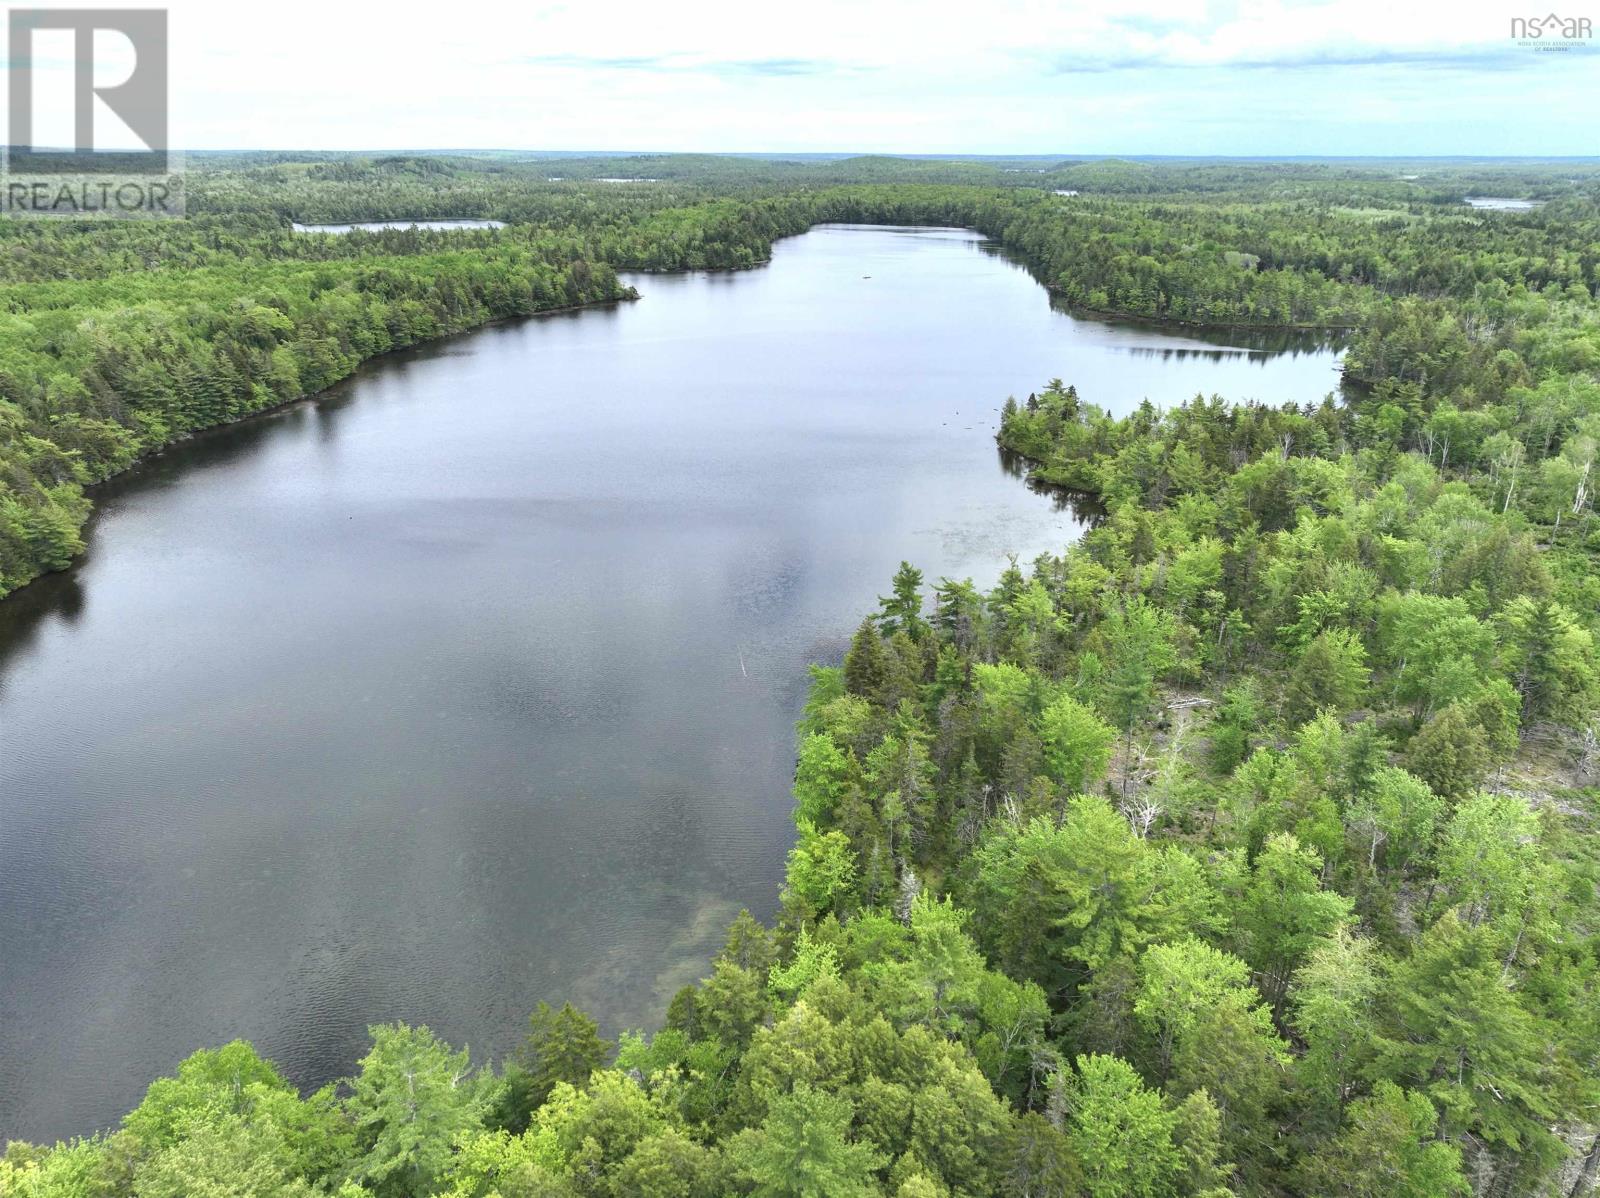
(473,682)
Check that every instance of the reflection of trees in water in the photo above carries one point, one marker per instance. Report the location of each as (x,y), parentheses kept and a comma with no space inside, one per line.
(1080,505)
(1171,353)
(1259,357)
(24,612)
(63,595)
(1216,344)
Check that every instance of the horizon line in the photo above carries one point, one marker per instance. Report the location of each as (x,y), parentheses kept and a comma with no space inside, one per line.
(908,154)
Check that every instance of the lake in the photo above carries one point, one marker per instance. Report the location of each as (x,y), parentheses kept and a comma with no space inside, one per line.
(473,682)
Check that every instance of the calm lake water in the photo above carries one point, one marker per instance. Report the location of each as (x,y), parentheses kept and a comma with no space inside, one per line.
(473,683)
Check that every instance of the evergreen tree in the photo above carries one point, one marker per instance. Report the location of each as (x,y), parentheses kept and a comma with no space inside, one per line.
(803,1150)
(410,1102)
(561,1046)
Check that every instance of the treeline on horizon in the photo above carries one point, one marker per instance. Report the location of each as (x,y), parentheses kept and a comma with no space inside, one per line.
(493,184)
(1246,848)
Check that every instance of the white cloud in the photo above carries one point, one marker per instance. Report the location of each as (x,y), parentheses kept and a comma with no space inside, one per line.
(1150,76)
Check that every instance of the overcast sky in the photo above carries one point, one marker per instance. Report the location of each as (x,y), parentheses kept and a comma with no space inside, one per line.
(1269,77)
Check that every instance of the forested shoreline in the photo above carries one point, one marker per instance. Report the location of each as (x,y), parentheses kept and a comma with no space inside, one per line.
(121,337)
(1246,847)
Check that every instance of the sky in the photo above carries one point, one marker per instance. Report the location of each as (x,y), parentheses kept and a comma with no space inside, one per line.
(1240,77)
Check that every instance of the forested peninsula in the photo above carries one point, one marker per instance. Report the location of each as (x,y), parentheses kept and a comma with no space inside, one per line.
(118,338)
(1246,847)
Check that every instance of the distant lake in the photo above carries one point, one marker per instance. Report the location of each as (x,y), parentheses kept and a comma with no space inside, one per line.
(373,226)
(1502,203)
(473,683)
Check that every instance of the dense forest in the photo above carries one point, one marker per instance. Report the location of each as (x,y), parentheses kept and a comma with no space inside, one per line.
(1247,847)
(119,337)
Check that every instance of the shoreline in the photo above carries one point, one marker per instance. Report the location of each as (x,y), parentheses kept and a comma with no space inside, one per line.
(90,490)
(1017,256)
(1176,322)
